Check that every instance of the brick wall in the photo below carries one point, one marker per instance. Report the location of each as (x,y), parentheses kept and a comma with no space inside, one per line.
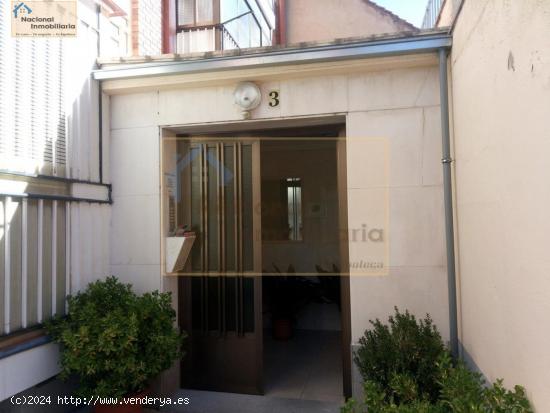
(146,27)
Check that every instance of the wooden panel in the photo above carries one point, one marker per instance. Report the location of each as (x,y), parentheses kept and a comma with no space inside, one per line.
(21,337)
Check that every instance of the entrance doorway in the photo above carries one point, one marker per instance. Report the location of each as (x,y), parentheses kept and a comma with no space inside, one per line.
(301,263)
(226,295)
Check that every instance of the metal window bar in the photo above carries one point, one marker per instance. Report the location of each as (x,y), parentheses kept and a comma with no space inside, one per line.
(228,40)
(294,211)
(221,198)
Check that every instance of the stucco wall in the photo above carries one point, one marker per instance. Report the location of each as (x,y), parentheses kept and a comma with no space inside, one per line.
(501,88)
(400,106)
(448,13)
(323,20)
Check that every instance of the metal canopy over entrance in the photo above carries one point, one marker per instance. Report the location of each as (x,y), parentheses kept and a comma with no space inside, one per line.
(258,58)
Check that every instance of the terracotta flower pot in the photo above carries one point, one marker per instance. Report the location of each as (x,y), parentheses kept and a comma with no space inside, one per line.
(282,329)
(126,406)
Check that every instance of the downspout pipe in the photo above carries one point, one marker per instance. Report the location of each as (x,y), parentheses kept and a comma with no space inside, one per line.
(100,106)
(448,200)
(100,132)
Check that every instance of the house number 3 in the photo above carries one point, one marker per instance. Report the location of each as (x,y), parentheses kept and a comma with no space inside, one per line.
(274,98)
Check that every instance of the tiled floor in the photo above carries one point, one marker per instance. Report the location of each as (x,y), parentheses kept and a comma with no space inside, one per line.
(302,375)
(308,367)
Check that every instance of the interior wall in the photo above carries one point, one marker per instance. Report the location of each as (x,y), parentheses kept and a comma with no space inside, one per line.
(315,164)
(501,95)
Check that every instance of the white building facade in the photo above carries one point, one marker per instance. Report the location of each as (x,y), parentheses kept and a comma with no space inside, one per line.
(394,99)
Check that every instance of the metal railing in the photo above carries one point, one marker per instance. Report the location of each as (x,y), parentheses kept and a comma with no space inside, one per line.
(205,38)
(221,36)
(432,13)
(35,245)
(227,41)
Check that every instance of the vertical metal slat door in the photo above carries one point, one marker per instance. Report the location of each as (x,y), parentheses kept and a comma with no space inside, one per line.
(221,301)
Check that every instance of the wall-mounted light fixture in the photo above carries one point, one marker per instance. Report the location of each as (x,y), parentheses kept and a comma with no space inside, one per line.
(248,96)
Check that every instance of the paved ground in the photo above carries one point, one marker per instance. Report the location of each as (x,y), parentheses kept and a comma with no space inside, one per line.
(302,375)
(214,402)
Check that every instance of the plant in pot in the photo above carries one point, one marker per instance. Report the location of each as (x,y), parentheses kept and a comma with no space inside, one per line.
(115,342)
(287,295)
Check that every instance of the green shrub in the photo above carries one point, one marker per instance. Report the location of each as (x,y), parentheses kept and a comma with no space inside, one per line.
(403,347)
(380,401)
(461,389)
(403,377)
(464,391)
(114,340)
(500,400)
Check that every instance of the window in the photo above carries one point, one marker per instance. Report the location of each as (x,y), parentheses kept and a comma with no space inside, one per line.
(32,102)
(282,210)
(207,25)
(195,12)
(294,203)
(249,30)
